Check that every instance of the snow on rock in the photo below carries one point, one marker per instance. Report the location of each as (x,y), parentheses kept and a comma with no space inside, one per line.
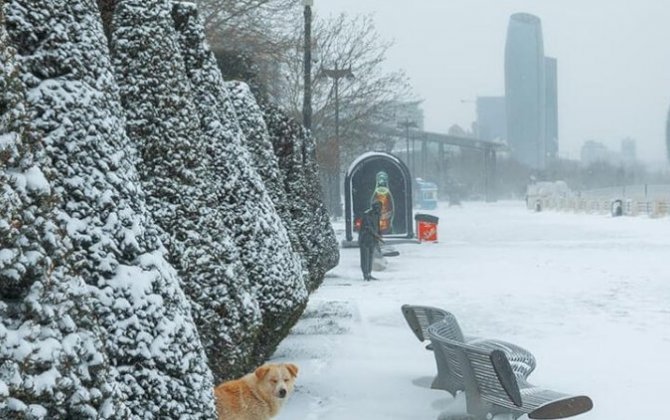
(97,267)
(296,153)
(265,250)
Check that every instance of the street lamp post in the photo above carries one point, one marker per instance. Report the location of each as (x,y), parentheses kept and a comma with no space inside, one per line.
(407,124)
(307,100)
(336,74)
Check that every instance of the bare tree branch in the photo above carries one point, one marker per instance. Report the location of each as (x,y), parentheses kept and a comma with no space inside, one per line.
(366,101)
(271,34)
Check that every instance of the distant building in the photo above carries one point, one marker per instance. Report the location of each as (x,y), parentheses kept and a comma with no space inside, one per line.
(667,135)
(458,131)
(594,151)
(628,151)
(491,118)
(525,90)
(551,98)
(407,111)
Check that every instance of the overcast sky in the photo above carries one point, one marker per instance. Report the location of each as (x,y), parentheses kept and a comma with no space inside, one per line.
(613,61)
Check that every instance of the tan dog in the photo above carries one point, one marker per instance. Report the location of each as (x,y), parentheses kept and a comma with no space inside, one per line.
(258,395)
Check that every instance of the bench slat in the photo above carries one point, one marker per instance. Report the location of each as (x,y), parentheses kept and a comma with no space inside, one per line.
(419,318)
(493,379)
(494,375)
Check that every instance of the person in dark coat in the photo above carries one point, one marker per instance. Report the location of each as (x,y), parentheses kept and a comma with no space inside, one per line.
(368,238)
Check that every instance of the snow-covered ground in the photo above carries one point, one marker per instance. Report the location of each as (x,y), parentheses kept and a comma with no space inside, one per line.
(589,295)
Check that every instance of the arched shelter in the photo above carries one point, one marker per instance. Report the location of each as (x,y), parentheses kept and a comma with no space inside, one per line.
(379,176)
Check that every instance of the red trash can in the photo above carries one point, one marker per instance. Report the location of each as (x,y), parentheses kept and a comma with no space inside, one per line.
(426,227)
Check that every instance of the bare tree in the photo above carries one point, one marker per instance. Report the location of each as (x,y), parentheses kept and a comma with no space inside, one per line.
(366,101)
(254,33)
(261,42)
(226,17)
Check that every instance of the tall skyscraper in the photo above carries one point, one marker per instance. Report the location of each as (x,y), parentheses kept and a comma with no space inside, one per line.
(551,98)
(667,135)
(525,90)
(491,118)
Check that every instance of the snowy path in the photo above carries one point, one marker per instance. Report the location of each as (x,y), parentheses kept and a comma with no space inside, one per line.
(582,292)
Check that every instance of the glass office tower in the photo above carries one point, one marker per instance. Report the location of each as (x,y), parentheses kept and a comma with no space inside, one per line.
(551,98)
(491,118)
(525,90)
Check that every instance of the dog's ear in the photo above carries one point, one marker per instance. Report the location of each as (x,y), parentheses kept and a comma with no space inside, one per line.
(261,372)
(292,369)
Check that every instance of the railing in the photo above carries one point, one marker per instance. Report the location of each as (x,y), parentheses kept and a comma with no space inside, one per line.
(650,200)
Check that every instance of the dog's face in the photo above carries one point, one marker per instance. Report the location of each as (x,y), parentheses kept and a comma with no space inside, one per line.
(276,380)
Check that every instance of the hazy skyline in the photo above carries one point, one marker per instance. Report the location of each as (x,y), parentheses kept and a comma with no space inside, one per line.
(613,61)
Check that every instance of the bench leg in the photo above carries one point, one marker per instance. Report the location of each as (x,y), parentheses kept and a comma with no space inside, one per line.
(445,416)
(456,417)
(504,417)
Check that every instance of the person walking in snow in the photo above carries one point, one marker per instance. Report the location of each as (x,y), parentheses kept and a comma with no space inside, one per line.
(369,237)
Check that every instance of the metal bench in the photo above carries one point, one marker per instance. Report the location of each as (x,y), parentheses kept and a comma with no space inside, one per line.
(419,318)
(491,386)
